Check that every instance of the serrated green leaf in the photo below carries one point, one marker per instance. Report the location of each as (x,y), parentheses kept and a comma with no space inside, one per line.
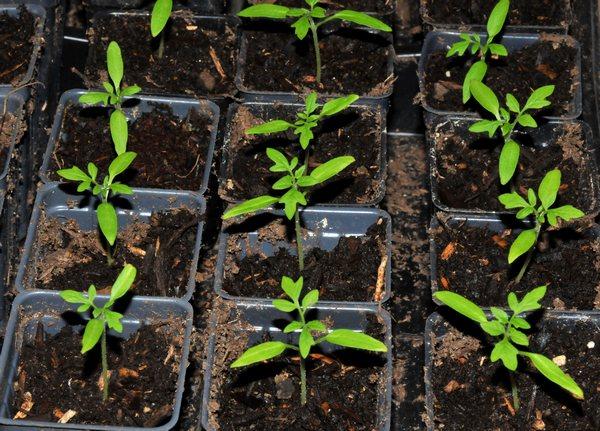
(301,27)
(522,244)
(259,353)
(310,299)
(506,352)
(291,288)
(113,319)
(355,340)
(284,305)
(565,212)
(499,314)
(512,200)
(461,305)
(278,158)
(531,300)
(488,126)
(537,100)
(107,221)
(494,328)
(283,183)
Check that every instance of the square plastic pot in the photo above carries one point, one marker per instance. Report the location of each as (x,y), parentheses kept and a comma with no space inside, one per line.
(436,328)
(530,28)
(58,204)
(325,226)
(588,170)
(15,104)
(38,11)
(180,106)
(257,95)
(46,308)
(442,40)
(293,101)
(262,317)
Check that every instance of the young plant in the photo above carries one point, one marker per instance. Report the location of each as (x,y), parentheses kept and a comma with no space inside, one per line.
(474,44)
(105,213)
(113,96)
(508,336)
(308,329)
(506,120)
(311,19)
(161,12)
(527,239)
(103,316)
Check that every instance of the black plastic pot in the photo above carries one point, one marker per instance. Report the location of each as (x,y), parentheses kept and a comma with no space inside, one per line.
(15,104)
(588,169)
(180,106)
(530,28)
(258,95)
(437,327)
(325,226)
(58,204)
(380,113)
(442,40)
(263,321)
(406,116)
(46,309)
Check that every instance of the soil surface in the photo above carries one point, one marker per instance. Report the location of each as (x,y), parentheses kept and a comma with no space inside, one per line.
(467,176)
(203,52)
(161,250)
(551,61)
(171,151)
(355,132)
(16,45)
(7,127)
(375,6)
(474,263)
(55,380)
(473,394)
(349,272)
(343,388)
(354,61)
(522,12)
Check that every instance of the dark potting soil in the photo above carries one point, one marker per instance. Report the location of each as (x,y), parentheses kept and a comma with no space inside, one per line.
(376,6)
(55,378)
(16,45)
(199,54)
(521,12)
(466,168)
(547,62)
(171,152)
(161,250)
(474,263)
(343,388)
(471,393)
(349,272)
(354,132)
(353,62)
(7,124)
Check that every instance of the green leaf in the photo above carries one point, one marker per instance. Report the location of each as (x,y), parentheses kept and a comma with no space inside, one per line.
(83,308)
(318,12)
(498,49)
(527,120)
(459,48)
(259,353)
(92,170)
(476,73)
(123,283)
(355,340)
(301,27)
(120,164)
(566,212)
(91,335)
(74,174)
(513,103)
(290,200)
(497,18)
(361,19)
(293,326)
(118,188)
(310,299)
(335,106)
(548,188)
(524,213)
(505,351)
(512,200)
(306,136)
(520,323)
(131,90)
(295,12)
(305,342)
(531,301)
(553,373)
(113,319)
(485,97)
(283,183)
(107,221)
(461,305)
(316,325)
(284,305)
(265,10)
(92,293)
(524,242)
(331,168)
(108,87)
(274,126)
(250,206)
(84,186)
(494,328)
(513,302)
(291,288)
(531,197)
(307,182)
(311,103)
(488,126)
(537,100)
(499,314)
(119,130)
(518,337)
(278,158)
(160,16)
(73,297)
(93,98)
(114,61)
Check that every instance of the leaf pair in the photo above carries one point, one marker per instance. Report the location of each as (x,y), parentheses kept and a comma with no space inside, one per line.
(101,315)
(105,213)
(547,194)
(306,340)
(508,329)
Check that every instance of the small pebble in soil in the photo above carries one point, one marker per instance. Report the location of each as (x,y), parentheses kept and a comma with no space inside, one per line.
(591,345)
